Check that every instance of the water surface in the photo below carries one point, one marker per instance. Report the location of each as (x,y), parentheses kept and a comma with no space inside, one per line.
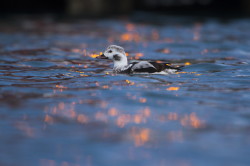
(62,107)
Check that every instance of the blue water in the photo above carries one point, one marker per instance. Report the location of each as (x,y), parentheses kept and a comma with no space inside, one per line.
(62,107)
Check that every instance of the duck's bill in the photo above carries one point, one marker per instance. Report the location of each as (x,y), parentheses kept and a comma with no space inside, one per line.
(102,56)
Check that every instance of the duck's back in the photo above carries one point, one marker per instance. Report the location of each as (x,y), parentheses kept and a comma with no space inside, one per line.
(150,67)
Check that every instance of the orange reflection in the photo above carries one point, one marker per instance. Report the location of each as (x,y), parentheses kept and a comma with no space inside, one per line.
(143,100)
(146,112)
(61,88)
(113,112)
(195,121)
(127,37)
(172,116)
(101,116)
(130,27)
(173,88)
(94,55)
(81,118)
(138,55)
(140,136)
(129,82)
(130,37)
(165,51)
(48,119)
(138,119)
(84,75)
(72,113)
(61,106)
(158,61)
(103,104)
(123,119)
(191,120)
(75,50)
(105,86)
(62,109)
(54,110)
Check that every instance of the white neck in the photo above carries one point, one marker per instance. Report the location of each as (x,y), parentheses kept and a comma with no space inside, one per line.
(120,64)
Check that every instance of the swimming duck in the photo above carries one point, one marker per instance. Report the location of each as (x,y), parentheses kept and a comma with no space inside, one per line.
(121,65)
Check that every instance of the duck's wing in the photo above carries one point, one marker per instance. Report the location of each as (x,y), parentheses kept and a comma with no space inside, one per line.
(151,67)
(143,67)
(164,66)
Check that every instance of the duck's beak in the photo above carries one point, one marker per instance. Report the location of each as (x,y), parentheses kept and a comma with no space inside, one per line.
(102,56)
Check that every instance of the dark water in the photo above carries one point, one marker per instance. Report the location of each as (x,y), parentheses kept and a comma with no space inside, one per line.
(62,107)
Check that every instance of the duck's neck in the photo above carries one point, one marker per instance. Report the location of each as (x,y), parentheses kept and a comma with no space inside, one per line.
(120,64)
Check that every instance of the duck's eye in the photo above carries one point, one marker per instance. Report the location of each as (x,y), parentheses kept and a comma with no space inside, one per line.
(110,51)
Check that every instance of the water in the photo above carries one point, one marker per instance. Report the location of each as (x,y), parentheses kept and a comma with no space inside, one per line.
(62,107)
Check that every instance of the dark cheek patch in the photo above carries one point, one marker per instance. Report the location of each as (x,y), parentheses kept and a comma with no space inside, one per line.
(117,57)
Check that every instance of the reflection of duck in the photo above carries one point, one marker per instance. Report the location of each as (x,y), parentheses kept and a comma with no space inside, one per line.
(117,54)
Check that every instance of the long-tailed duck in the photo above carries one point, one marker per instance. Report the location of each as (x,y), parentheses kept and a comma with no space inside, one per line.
(117,54)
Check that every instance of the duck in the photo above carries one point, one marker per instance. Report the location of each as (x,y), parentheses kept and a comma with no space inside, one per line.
(121,65)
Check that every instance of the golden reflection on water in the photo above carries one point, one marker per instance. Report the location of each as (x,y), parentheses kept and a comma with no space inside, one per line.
(131,121)
(138,55)
(130,37)
(140,136)
(84,52)
(48,119)
(173,88)
(186,120)
(113,112)
(142,100)
(192,120)
(172,116)
(81,118)
(94,55)
(166,51)
(131,34)
(129,82)
(101,116)
(60,88)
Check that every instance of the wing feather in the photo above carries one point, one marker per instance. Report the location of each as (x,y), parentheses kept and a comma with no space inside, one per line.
(150,67)
(142,65)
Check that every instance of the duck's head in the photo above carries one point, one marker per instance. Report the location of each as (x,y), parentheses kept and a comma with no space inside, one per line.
(115,53)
